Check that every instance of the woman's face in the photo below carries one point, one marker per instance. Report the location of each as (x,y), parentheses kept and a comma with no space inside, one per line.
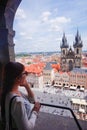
(22,78)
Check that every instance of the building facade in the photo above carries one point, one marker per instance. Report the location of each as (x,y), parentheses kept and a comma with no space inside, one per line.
(71,58)
(77,78)
(35,80)
(48,74)
(61,79)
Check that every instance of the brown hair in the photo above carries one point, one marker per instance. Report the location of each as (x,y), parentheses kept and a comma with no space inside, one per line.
(11,71)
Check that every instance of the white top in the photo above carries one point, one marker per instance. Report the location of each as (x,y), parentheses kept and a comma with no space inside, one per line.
(21,112)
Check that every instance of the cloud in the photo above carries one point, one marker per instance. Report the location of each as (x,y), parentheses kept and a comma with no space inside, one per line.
(45,16)
(25,35)
(41,37)
(29,25)
(58,23)
(58,39)
(22,33)
(52,22)
(55,10)
(41,26)
(20,14)
(60,20)
(84,40)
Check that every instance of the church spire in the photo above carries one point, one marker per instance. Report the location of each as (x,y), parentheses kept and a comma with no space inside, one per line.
(64,42)
(78,41)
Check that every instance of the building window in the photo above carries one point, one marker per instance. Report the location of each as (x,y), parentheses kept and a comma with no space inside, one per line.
(63,52)
(77,51)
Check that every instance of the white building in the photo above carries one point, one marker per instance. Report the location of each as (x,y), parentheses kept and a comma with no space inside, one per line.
(48,74)
(35,80)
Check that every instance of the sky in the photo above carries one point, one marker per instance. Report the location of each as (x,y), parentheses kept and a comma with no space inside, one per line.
(40,24)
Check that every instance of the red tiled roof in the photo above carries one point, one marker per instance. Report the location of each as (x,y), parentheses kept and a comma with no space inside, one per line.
(56,66)
(35,68)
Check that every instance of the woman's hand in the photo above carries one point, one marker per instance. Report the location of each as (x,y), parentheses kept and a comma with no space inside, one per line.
(24,83)
(36,107)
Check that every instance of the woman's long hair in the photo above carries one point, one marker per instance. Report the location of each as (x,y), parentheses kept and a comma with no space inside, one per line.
(11,71)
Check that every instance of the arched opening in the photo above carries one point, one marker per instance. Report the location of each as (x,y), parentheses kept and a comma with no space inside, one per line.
(78,87)
(63,84)
(70,65)
(32,85)
(77,51)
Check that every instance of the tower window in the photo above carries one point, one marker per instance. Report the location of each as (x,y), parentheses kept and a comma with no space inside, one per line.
(63,52)
(77,51)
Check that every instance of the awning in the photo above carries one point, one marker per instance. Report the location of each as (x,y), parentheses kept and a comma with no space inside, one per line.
(72,87)
(81,89)
(79,101)
(66,86)
(81,110)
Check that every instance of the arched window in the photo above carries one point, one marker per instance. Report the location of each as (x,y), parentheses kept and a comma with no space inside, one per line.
(63,52)
(70,65)
(77,51)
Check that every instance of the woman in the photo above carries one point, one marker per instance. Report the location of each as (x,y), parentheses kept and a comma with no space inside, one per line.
(22,115)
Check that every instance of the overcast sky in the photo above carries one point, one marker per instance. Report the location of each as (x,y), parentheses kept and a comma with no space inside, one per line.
(39,24)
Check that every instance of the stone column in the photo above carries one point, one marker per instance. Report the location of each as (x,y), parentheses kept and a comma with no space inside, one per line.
(10,11)
(4,55)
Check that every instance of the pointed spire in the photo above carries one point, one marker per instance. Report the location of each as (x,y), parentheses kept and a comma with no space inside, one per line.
(64,42)
(78,42)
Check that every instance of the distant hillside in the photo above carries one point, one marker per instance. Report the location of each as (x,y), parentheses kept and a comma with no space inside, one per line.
(21,54)
(35,53)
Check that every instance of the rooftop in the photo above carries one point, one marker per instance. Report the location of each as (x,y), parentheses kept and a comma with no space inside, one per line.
(80,70)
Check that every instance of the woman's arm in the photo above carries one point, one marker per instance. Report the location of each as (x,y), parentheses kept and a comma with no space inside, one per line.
(30,93)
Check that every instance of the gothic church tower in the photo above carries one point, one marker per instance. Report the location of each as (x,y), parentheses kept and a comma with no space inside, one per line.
(64,50)
(71,59)
(78,50)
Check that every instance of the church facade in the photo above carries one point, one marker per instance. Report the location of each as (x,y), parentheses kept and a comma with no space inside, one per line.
(71,58)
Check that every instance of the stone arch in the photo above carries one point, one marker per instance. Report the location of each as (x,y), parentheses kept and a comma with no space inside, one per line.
(78,87)
(8,9)
(7,13)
